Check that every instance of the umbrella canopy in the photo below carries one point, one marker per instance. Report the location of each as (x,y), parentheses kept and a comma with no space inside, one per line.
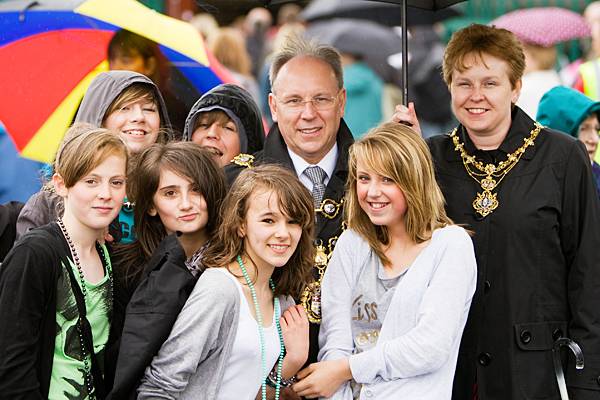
(544,26)
(51,50)
(380,12)
(369,41)
(424,4)
(366,9)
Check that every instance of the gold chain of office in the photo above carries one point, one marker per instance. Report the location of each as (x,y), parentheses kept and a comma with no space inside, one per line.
(490,175)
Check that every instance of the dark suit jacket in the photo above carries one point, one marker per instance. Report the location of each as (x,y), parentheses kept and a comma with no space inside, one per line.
(327,230)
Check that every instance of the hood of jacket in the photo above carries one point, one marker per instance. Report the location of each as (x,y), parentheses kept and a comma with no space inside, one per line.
(105,88)
(238,104)
(564,109)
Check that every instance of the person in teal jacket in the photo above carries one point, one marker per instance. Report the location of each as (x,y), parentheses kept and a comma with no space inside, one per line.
(364,92)
(569,111)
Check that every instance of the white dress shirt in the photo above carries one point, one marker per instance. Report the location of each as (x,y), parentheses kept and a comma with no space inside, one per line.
(327,163)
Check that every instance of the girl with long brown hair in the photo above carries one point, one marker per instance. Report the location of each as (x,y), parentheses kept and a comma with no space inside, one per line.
(178,189)
(240,319)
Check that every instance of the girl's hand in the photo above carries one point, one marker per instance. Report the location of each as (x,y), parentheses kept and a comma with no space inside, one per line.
(322,379)
(294,327)
(407,116)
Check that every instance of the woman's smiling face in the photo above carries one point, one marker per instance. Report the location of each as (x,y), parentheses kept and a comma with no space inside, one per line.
(482,95)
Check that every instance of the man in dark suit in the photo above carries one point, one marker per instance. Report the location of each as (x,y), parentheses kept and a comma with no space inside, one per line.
(309,137)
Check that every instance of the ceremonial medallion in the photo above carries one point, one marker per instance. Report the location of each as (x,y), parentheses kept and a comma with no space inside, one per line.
(311,301)
(329,208)
(485,203)
(243,160)
(489,176)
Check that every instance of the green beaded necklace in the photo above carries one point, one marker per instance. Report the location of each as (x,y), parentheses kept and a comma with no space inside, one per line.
(261,333)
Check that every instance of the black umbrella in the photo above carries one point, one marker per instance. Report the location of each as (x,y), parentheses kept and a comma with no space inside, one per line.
(380,12)
(361,7)
(424,4)
(372,42)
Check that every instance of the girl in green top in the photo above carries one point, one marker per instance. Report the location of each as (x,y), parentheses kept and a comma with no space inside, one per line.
(56,284)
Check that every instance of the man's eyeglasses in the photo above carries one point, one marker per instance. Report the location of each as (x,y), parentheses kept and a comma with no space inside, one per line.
(320,103)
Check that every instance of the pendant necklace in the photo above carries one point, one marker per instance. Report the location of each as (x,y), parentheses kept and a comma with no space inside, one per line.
(88,380)
(489,176)
(261,332)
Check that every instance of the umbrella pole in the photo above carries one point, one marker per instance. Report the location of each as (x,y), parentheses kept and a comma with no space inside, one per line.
(404,55)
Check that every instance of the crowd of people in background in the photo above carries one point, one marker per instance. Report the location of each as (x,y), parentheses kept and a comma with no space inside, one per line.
(292,235)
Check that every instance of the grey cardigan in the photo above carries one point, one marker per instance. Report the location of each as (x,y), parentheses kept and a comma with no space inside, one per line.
(191,362)
(415,355)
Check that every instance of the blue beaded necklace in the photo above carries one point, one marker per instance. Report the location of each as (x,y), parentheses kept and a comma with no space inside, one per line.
(261,333)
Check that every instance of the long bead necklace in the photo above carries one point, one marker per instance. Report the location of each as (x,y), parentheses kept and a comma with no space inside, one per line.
(88,380)
(486,201)
(261,333)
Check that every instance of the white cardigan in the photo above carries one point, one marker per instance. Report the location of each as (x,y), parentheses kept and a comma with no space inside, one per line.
(415,356)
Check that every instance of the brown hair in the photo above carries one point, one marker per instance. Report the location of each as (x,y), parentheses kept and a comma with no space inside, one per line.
(478,40)
(295,201)
(397,152)
(296,46)
(135,92)
(83,148)
(125,43)
(183,158)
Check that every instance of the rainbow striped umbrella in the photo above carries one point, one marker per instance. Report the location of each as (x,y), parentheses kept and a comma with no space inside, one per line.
(51,50)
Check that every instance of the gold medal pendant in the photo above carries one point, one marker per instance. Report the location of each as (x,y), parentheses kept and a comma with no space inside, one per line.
(320,255)
(311,296)
(311,301)
(485,203)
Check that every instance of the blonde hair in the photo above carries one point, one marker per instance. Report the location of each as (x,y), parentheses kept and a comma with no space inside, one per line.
(83,148)
(543,58)
(228,46)
(395,151)
(295,201)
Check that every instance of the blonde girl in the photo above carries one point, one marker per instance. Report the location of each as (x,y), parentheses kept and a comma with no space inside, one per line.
(398,287)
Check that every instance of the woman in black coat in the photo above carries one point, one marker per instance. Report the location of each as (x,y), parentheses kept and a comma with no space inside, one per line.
(527,193)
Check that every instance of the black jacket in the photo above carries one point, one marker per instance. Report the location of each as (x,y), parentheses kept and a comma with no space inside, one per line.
(165,286)
(8,226)
(28,291)
(326,230)
(538,266)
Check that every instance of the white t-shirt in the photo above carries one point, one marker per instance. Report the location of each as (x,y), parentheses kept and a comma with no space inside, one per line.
(243,374)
